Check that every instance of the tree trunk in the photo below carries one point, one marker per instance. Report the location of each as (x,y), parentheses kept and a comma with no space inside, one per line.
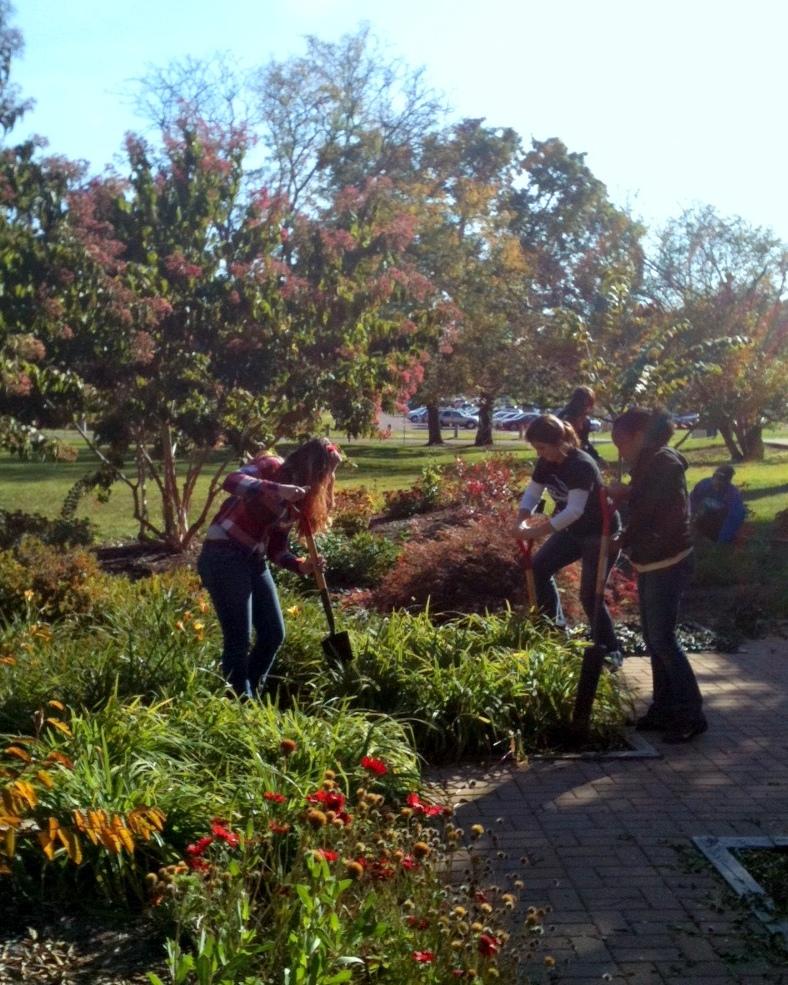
(484,433)
(752,444)
(434,436)
(726,430)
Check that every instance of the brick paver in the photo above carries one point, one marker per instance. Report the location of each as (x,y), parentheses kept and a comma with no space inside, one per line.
(603,841)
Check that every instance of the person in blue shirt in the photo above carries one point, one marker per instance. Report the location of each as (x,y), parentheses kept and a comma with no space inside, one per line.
(717,507)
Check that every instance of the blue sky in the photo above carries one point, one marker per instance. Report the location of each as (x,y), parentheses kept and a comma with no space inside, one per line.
(675,103)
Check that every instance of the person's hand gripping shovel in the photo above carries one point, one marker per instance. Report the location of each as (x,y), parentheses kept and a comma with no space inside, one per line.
(336,646)
(594,655)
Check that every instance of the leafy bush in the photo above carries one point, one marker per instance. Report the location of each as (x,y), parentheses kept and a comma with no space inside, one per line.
(359,560)
(353,509)
(466,688)
(37,578)
(423,496)
(486,484)
(469,568)
(60,532)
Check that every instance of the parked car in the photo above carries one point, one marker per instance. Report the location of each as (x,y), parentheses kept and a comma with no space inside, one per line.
(501,415)
(418,416)
(686,421)
(519,420)
(450,417)
(594,424)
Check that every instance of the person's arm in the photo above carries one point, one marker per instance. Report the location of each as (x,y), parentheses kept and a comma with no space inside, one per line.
(734,518)
(530,499)
(574,509)
(279,552)
(246,484)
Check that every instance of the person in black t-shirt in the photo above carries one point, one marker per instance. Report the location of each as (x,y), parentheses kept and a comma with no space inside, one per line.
(573,481)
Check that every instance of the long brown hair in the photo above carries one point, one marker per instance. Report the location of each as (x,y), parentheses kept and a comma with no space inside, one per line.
(312,464)
(551,430)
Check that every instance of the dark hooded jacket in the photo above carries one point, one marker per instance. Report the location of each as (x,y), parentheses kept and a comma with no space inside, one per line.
(658,524)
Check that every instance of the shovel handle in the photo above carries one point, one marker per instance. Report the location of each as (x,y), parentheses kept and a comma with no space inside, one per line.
(601,567)
(320,578)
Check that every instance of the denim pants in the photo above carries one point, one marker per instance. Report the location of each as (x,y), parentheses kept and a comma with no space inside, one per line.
(561,549)
(244,595)
(677,697)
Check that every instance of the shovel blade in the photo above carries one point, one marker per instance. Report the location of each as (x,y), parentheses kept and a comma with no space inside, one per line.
(336,646)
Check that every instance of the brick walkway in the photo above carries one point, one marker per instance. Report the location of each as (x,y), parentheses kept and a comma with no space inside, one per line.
(608,841)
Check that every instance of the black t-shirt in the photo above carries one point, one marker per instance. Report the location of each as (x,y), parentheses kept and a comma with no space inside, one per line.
(577,471)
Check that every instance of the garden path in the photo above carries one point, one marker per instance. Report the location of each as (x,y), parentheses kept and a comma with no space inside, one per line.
(608,843)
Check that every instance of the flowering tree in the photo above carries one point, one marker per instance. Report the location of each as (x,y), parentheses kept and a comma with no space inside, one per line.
(203,321)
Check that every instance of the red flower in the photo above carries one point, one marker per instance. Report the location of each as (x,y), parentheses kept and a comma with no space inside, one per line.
(488,945)
(480,897)
(220,830)
(276,798)
(409,862)
(423,957)
(277,828)
(374,765)
(428,810)
(196,849)
(331,800)
(418,923)
(198,865)
(327,854)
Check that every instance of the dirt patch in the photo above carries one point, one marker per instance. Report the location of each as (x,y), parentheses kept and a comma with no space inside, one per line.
(423,526)
(140,559)
(78,951)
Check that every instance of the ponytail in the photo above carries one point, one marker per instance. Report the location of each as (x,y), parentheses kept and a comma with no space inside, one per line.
(551,430)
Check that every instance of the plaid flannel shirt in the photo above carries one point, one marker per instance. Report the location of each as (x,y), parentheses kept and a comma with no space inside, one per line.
(255,515)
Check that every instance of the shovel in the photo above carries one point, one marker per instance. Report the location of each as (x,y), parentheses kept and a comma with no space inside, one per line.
(527,552)
(594,655)
(530,581)
(336,645)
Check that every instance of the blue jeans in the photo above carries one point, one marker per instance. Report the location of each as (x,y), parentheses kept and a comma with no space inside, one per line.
(677,697)
(561,549)
(244,595)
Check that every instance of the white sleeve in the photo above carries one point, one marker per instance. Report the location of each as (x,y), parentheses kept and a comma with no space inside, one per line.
(575,505)
(531,496)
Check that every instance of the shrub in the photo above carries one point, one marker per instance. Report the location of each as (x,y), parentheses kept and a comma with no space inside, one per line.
(470,568)
(37,578)
(423,496)
(359,560)
(353,509)
(60,532)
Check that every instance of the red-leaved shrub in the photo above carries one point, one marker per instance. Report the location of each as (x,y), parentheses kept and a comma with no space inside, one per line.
(475,566)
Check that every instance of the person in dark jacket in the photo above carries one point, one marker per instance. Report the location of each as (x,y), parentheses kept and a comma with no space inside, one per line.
(574,482)
(657,538)
(717,507)
(576,412)
(267,498)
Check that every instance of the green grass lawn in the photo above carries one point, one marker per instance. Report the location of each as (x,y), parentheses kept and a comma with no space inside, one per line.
(381,465)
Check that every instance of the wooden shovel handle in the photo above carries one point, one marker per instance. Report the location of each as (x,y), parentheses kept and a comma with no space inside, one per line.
(320,578)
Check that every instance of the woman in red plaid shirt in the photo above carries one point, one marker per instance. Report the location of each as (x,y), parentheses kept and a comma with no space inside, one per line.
(267,498)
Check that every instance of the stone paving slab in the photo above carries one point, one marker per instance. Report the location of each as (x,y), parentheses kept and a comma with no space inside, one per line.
(605,843)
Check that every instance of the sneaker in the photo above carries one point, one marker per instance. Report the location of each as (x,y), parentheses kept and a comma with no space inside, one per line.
(683,733)
(614,661)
